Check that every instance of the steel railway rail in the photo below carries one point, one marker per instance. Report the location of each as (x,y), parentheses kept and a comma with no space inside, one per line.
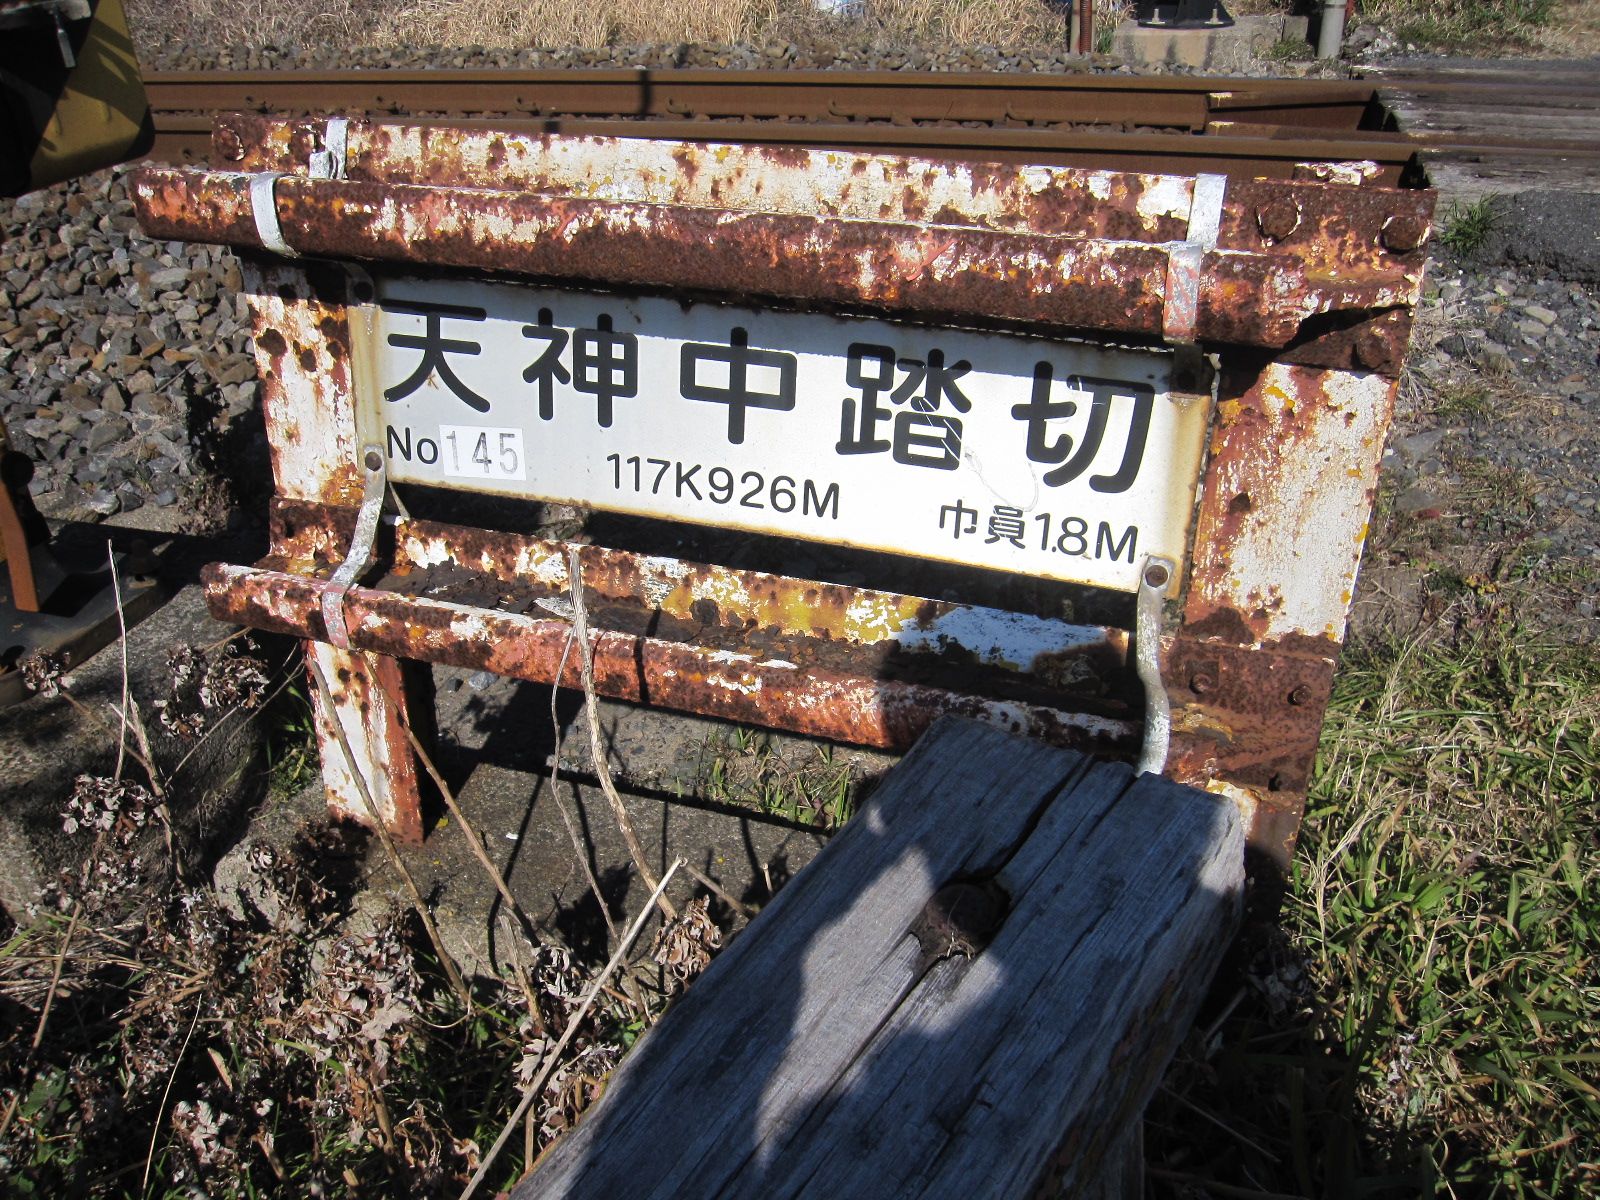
(1172,102)
(1241,127)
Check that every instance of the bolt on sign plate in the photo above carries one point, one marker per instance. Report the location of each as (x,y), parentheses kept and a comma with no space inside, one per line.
(1052,458)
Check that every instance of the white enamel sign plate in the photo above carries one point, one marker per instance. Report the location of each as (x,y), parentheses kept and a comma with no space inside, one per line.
(1057,459)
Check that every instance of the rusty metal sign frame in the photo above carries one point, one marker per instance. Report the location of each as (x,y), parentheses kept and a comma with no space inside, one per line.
(1298,294)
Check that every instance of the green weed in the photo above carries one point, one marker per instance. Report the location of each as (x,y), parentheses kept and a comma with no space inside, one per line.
(1290,49)
(1455,906)
(744,770)
(1450,24)
(1467,227)
(291,744)
(1427,1020)
(1462,402)
(1496,499)
(1108,14)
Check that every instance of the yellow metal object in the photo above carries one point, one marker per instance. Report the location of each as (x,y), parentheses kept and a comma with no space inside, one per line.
(74,98)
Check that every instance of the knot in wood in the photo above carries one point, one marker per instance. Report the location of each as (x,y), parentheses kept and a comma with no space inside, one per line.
(960,918)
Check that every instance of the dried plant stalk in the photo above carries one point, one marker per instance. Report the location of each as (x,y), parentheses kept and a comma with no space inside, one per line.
(596,748)
(446,963)
(554,1057)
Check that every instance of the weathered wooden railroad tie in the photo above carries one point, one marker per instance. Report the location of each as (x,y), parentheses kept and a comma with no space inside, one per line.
(1163,396)
(972,991)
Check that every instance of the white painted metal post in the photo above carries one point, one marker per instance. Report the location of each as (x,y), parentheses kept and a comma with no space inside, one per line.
(303,350)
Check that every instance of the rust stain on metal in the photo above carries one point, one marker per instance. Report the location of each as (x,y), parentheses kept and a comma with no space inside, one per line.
(886,713)
(1270,300)
(1259,721)
(1375,342)
(1288,489)
(366,694)
(302,351)
(169,202)
(1278,218)
(227,142)
(1067,282)
(1050,200)
(934,271)
(1404,232)
(1340,227)
(808,622)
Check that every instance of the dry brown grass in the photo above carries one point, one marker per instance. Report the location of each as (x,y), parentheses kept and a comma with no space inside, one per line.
(553,24)
(1572,32)
(1006,23)
(548,24)
(336,23)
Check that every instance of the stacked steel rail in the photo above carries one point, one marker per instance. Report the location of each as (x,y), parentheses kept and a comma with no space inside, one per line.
(1250,128)
(1096,121)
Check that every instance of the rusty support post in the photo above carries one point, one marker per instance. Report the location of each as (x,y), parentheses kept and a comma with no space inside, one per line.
(302,342)
(14,548)
(368,699)
(1288,492)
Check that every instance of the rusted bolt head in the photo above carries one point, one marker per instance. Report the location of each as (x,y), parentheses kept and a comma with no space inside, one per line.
(1202,682)
(1403,233)
(1300,694)
(228,143)
(1278,218)
(374,460)
(1156,575)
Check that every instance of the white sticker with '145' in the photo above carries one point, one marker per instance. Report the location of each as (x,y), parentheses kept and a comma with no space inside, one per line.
(473,452)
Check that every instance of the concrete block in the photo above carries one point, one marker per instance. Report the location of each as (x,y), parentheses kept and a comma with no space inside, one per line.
(496,744)
(1230,48)
(46,742)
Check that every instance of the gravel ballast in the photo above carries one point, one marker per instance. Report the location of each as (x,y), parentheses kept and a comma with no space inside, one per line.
(125,364)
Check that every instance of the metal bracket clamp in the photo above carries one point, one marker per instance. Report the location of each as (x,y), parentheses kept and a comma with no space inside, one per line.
(328,163)
(264,208)
(1185,258)
(1154,577)
(360,552)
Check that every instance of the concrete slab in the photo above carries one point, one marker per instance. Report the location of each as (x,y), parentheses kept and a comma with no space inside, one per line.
(495,745)
(749,856)
(688,783)
(46,742)
(1231,48)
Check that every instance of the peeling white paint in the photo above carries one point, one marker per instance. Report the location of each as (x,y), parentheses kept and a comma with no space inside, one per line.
(997,638)
(1296,553)
(797,181)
